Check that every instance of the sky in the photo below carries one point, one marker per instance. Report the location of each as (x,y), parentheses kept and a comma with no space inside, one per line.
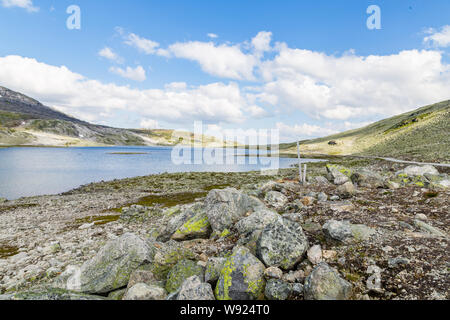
(306,68)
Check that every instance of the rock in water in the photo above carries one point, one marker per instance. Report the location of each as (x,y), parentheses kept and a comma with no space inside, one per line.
(226,207)
(111,268)
(142,291)
(282,244)
(324,283)
(181,271)
(242,277)
(194,289)
(276,199)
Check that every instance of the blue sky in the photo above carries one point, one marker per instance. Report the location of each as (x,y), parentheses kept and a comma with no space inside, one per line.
(308,68)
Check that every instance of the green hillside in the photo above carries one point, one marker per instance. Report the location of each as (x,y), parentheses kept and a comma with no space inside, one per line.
(423,135)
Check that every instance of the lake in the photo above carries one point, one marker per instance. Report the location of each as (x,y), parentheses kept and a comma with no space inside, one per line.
(28,172)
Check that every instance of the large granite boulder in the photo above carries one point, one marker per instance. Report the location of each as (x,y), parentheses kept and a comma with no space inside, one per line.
(325,283)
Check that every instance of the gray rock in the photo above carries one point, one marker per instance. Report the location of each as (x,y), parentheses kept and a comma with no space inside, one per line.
(242,277)
(315,254)
(256,221)
(322,181)
(324,283)
(395,262)
(282,244)
(297,289)
(194,289)
(213,268)
(142,276)
(142,291)
(346,190)
(40,294)
(226,207)
(429,229)
(197,227)
(180,272)
(273,273)
(275,199)
(419,170)
(167,255)
(322,197)
(111,268)
(336,175)
(176,218)
(344,231)
(367,179)
(277,290)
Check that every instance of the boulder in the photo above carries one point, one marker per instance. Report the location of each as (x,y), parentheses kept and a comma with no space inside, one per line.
(175,218)
(321,181)
(111,268)
(226,207)
(344,231)
(256,221)
(181,271)
(325,283)
(142,276)
(367,179)
(276,200)
(197,227)
(142,291)
(338,174)
(419,170)
(429,229)
(242,277)
(277,290)
(315,254)
(194,289)
(282,244)
(213,268)
(167,255)
(346,190)
(273,273)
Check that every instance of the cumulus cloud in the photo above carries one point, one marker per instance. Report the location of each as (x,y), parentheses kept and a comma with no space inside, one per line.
(144,45)
(136,74)
(351,86)
(25,4)
(212,35)
(75,94)
(439,38)
(109,54)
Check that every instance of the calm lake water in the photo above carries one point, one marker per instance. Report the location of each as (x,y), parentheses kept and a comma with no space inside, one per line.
(39,171)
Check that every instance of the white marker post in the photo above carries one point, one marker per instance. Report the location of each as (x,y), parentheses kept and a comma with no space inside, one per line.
(300,180)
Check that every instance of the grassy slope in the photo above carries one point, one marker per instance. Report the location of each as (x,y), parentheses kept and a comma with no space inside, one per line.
(423,134)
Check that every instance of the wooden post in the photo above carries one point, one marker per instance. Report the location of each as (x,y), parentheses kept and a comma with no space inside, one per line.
(300,180)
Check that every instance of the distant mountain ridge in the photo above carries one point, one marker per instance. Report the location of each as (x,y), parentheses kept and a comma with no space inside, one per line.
(26,121)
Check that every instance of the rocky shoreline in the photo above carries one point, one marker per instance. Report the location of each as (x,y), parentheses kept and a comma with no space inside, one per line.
(360,229)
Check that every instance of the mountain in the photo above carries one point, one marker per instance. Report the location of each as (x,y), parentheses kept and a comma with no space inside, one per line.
(421,135)
(26,121)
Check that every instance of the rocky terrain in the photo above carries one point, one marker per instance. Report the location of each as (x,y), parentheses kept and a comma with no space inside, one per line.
(358,229)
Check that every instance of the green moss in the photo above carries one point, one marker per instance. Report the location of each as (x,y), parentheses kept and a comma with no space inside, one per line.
(225,233)
(194,225)
(180,272)
(8,251)
(226,272)
(17,206)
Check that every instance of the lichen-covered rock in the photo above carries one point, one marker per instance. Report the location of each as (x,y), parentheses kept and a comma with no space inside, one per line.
(213,268)
(321,181)
(256,221)
(117,295)
(226,207)
(282,244)
(429,229)
(277,290)
(276,199)
(338,174)
(242,277)
(344,231)
(142,291)
(181,271)
(175,218)
(142,276)
(273,273)
(419,170)
(194,289)
(111,268)
(315,254)
(346,190)
(167,255)
(197,227)
(325,283)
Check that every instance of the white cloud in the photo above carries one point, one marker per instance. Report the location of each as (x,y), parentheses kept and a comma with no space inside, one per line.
(149,124)
(439,39)
(109,54)
(73,93)
(227,61)
(261,42)
(25,4)
(212,35)
(353,86)
(136,74)
(143,45)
